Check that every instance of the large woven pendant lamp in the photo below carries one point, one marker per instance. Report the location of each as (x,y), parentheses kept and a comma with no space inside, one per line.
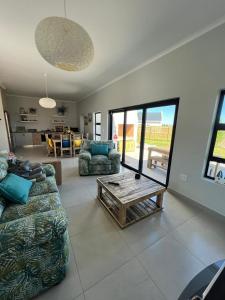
(64,43)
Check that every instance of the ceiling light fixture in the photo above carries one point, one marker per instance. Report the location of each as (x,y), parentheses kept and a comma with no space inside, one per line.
(47,102)
(64,43)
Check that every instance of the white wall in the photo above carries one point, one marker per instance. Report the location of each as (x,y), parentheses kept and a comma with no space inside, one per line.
(45,116)
(195,73)
(4,145)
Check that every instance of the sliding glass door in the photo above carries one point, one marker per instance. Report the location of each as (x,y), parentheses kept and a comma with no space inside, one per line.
(117,130)
(144,135)
(159,123)
(132,138)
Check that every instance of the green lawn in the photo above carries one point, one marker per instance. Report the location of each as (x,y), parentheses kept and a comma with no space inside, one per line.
(219,149)
(158,143)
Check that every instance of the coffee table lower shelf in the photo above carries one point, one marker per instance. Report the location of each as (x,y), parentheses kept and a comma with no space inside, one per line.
(134,213)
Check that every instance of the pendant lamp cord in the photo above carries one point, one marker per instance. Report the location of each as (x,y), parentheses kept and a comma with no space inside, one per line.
(46,85)
(65,8)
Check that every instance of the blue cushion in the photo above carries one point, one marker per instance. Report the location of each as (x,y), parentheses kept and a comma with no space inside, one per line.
(99,149)
(15,188)
(66,143)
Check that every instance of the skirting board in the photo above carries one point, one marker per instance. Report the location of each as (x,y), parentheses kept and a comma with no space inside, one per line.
(193,202)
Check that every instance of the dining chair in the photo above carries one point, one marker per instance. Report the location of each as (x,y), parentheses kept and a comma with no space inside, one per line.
(49,144)
(77,143)
(66,144)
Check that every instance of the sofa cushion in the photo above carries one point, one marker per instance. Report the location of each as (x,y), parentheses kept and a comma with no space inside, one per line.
(99,149)
(100,160)
(3,167)
(15,188)
(44,187)
(35,204)
(87,144)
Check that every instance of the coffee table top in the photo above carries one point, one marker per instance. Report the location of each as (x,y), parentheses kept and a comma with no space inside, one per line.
(130,189)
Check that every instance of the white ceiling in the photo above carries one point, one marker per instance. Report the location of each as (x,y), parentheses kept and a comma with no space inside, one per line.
(125,34)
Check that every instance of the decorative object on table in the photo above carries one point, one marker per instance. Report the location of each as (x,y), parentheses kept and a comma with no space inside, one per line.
(220,174)
(89,117)
(106,161)
(33,236)
(47,102)
(33,111)
(64,43)
(61,110)
(133,201)
(137,176)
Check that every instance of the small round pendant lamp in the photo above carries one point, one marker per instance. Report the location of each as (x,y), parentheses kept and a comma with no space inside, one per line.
(47,102)
(64,44)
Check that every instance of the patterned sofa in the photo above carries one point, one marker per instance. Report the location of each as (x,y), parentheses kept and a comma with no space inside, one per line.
(98,164)
(33,241)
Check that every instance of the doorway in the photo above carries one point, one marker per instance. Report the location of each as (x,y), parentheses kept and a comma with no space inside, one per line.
(144,135)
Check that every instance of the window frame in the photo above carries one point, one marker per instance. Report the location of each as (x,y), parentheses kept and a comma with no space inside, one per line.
(97,123)
(216,127)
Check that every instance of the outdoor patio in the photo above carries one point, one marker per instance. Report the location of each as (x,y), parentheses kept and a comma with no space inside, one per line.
(132,159)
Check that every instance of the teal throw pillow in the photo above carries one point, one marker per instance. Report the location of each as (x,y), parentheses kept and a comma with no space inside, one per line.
(99,149)
(15,188)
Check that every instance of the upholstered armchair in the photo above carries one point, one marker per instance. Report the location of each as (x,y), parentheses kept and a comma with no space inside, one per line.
(92,162)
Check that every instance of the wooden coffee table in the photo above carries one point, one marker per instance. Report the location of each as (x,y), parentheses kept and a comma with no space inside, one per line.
(132,200)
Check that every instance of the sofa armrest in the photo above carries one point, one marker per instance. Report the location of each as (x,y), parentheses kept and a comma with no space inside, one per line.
(48,169)
(86,155)
(32,230)
(114,154)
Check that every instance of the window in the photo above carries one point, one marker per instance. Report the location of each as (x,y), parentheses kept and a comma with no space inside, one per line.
(215,167)
(98,126)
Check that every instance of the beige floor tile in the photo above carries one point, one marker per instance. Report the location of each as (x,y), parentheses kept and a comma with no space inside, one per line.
(143,234)
(129,282)
(98,252)
(204,236)
(170,266)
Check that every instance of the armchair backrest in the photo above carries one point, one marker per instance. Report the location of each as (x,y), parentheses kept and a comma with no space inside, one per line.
(87,144)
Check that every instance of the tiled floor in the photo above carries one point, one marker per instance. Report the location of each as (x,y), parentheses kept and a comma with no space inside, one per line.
(150,260)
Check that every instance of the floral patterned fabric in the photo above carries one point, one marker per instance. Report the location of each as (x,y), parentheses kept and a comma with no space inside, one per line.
(2,206)
(33,243)
(44,187)
(3,167)
(49,170)
(98,164)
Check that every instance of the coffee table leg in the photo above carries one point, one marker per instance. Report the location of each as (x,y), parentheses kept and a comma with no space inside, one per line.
(99,192)
(159,200)
(122,216)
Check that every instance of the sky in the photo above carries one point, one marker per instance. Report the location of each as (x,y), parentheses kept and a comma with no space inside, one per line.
(222,116)
(167,113)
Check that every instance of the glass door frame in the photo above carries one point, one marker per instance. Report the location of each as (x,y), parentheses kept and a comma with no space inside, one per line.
(144,107)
